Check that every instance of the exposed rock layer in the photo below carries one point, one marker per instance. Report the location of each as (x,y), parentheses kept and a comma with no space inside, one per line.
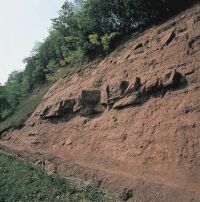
(132,122)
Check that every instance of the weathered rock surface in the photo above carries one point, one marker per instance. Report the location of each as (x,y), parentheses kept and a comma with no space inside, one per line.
(173,79)
(149,139)
(59,109)
(89,102)
(133,86)
(131,100)
(167,38)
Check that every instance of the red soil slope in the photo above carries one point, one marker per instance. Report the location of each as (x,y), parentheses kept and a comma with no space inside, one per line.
(131,121)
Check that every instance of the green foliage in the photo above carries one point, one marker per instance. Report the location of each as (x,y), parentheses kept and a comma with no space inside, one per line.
(94,39)
(4,104)
(75,56)
(107,40)
(51,69)
(102,44)
(20,181)
(23,110)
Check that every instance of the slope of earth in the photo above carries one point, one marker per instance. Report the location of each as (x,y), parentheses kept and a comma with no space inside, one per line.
(130,123)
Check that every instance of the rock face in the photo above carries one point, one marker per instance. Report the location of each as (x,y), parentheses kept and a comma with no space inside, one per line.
(89,102)
(173,79)
(59,109)
(131,100)
(133,86)
(136,94)
(167,38)
(118,96)
(90,97)
(130,121)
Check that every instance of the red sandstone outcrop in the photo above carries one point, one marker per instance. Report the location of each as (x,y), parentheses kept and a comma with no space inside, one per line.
(130,123)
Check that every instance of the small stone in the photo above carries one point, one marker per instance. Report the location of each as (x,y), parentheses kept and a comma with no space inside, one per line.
(40,163)
(124,136)
(68,142)
(126,194)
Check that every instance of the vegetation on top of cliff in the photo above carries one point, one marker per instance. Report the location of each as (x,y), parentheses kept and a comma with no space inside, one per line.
(84,30)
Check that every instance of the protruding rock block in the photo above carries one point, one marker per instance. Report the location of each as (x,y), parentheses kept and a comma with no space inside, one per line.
(172,79)
(104,96)
(140,45)
(115,96)
(152,85)
(193,44)
(123,86)
(90,102)
(131,100)
(113,91)
(133,86)
(137,94)
(167,38)
(90,97)
(139,48)
(116,91)
(59,109)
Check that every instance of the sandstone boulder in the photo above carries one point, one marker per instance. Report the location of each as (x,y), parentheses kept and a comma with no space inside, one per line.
(113,91)
(116,91)
(90,102)
(104,96)
(59,109)
(172,78)
(123,86)
(133,86)
(152,85)
(90,97)
(134,99)
(167,38)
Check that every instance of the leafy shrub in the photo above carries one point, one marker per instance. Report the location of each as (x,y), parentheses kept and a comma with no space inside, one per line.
(108,40)
(51,69)
(75,56)
(94,39)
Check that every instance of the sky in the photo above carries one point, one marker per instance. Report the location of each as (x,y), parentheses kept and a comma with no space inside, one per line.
(22,23)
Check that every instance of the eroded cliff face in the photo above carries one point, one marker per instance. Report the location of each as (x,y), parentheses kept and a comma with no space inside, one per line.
(132,121)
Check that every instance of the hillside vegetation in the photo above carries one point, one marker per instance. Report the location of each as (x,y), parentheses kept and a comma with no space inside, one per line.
(83,31)
(22,111)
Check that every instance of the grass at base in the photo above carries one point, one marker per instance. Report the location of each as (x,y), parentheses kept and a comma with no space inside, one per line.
(21,182)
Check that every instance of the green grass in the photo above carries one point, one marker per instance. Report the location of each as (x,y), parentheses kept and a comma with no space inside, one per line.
(20,181)
(23,110)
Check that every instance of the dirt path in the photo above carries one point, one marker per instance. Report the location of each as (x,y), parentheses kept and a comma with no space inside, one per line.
(132,176)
